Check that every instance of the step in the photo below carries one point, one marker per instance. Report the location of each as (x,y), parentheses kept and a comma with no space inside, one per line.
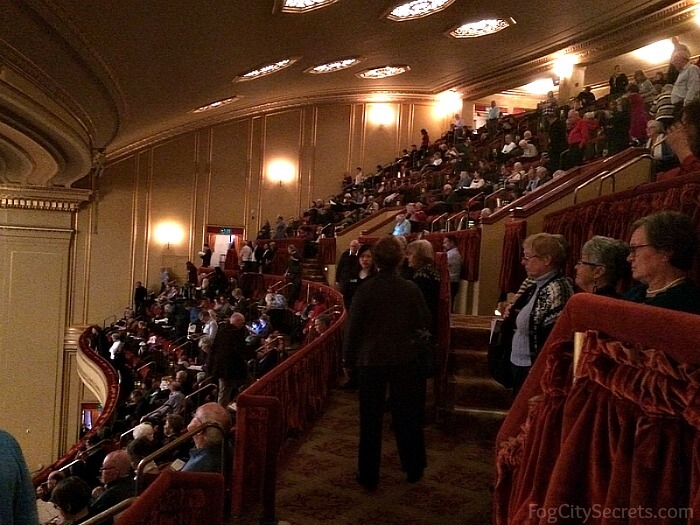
(473,423)
(469,363)
(479,392)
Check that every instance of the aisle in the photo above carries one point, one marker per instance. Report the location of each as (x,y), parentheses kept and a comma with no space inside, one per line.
(317,485)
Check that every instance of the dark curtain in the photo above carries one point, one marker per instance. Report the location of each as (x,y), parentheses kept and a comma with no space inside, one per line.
(326,250)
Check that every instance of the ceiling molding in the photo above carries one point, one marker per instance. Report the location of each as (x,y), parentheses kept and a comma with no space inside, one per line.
(42,199)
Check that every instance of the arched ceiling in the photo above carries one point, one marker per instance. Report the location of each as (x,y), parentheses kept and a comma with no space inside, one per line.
(122,74)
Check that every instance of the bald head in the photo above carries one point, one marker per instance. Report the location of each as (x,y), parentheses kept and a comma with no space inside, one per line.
(238,320)
(210,413)
(116,465)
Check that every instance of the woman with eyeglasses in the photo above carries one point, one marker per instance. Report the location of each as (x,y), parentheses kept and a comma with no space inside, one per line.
(662,248)
(532,316)
(603,264)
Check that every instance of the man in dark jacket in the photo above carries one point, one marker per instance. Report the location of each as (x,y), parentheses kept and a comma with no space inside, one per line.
(348,261)
(229,354)
(384,315)
(117,479)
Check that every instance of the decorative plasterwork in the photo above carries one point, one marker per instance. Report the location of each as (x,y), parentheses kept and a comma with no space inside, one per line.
(417,9)
(383,72)
(42,199)
(302,6)
(481,28)
(215,105)
(265,70)
(332,67)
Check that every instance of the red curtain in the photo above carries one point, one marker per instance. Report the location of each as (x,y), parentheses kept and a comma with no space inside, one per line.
(622,438)
(512,271)
(613,215)
(327,250)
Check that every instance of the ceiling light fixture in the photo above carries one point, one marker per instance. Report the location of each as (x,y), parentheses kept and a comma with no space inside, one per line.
(214,105)
(331,67)
(481,28)
(383,72)
(265,70)
(304,6)
(417,9)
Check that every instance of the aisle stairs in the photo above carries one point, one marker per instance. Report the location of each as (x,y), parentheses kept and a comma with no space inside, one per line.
(476,404)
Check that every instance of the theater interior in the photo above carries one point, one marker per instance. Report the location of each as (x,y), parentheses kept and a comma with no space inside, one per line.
(131,133)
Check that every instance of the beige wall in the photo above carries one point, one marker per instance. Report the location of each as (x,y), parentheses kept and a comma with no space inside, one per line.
(218,176)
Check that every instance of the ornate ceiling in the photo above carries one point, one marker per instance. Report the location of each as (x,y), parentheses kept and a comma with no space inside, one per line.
(79,76)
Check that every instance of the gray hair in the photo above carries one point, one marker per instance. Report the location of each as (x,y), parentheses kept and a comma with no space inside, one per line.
(610,253)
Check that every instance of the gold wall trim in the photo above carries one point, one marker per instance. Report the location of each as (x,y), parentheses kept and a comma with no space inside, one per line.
(43,199)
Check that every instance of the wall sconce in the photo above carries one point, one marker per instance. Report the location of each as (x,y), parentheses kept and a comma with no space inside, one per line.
(381,114)
(280,171)
(168,233)
(564,66)
(447,104)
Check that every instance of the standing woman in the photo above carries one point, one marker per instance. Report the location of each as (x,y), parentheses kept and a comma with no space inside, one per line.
(534,313)
(421,258)
(384,314)
(359,272)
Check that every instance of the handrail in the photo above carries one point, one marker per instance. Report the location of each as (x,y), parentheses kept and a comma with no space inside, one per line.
(200,390)
(69,465)
(112,511)
(438,218)
(274,286)
(612,174)
(97,445)
(586,183)
(175,444)
(454,217)
(104,321)
(124,434)
(144,366)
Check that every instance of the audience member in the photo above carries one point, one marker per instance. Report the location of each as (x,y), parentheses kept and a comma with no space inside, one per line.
(17,505)
(618,83)
(207,454)
(454,265)
(686,88)
(661,252)
(684,140)
(71,497)
(227,360)
(379,345)
(402,226)
(117,482)
(602,266)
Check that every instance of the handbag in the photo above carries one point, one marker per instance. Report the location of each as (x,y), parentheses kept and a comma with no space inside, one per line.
(425,348)
(499,355)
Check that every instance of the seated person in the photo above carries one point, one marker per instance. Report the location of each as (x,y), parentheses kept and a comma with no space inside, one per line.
(684,140)
(175,404)
(71,498)
(517,176)
(529,149)
(138,449)
(536,177)
(268,355)
(117,482)
(402,226)
(206,456)
(510,149)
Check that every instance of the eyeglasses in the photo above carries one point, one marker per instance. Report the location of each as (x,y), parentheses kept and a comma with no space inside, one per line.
(587,263)
(528,257)
(102,469)
(635,247)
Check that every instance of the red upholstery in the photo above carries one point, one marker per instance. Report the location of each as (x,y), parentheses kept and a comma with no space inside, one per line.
(612,215)
(512,271)
(624,436)
(179,498)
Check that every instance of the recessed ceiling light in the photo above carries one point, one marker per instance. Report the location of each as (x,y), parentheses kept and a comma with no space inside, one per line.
(304,6)
(481,28)
(214,105)
(383,72)
(417,9)
(331,67)
(265,70)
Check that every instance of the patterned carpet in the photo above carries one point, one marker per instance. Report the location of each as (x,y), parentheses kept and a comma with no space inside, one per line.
(317,485)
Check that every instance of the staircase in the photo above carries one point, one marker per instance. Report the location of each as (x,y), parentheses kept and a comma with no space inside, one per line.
(476,404)
(312,270)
